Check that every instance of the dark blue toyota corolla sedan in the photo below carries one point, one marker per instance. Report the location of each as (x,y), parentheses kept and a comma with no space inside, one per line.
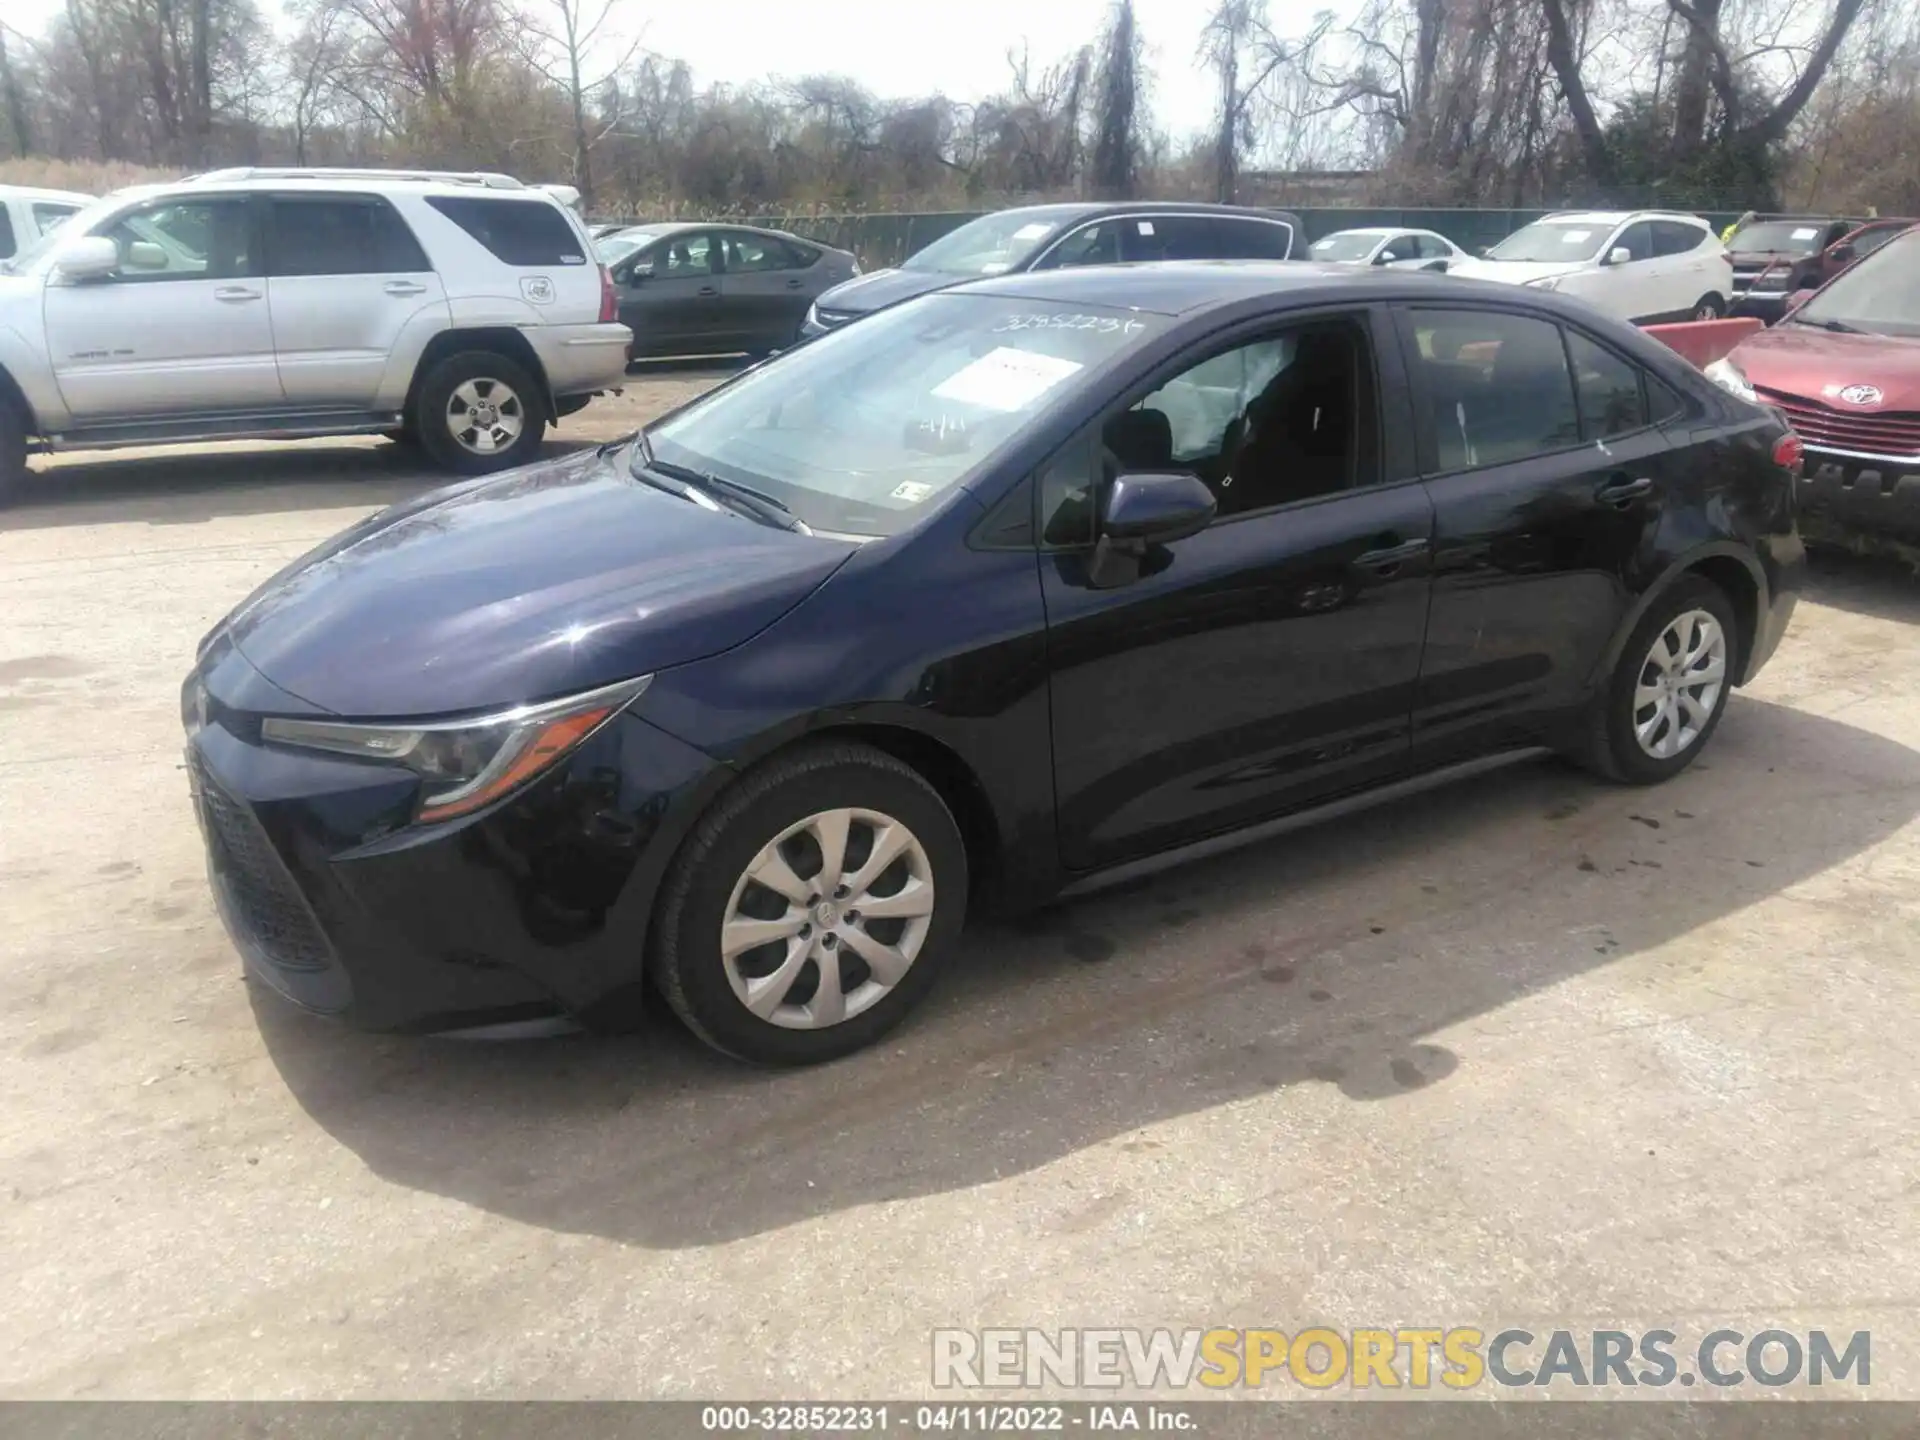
(1008,591)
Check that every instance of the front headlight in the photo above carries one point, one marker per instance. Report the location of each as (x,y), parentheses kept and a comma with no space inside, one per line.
(1730,378)
(1547,282)
(466,764)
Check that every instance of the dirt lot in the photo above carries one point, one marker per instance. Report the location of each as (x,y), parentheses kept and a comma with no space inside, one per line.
(1531,1051)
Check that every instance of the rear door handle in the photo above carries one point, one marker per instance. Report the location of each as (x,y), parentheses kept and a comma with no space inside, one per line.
(707,292)
(234,294)
(796,284)
(1622,493)
(1389,559)
(404,287)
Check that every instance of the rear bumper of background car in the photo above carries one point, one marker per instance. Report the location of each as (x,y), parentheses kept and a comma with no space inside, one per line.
(581,359)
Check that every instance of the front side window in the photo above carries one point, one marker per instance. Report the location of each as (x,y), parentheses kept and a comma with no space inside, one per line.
(685,256)
(1608,388)
(1495,388)
(1636,240)
(1095,244)
(1432,247)
(859,431)
(7,242)
(335,236)
(184,240)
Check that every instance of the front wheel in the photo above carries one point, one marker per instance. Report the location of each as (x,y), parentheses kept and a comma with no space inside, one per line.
(478,411)
(1709,307)
(1669,688)
(813,908)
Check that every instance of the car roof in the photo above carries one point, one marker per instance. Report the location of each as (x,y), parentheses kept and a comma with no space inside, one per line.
(1372,230)
(249,179)
(1183,287)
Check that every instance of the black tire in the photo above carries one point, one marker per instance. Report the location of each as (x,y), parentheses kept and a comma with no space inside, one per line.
(1709,307)
(13,452)
(1611,748)
(487,371)
(687,962)
(406,436)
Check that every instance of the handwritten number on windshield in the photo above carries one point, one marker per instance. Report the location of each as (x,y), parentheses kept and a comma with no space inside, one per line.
(1095,324)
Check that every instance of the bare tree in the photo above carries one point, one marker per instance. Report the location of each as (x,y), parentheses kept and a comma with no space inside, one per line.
(17,119)
(1116,107)
(564,41)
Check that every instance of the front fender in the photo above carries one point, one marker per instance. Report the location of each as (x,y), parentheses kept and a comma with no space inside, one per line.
(28,366)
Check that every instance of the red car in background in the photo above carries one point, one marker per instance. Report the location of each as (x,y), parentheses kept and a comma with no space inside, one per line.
(1844,368)
(1768,271)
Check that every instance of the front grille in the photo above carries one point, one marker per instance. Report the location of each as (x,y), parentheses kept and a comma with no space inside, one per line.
(264,899)
(1894,434)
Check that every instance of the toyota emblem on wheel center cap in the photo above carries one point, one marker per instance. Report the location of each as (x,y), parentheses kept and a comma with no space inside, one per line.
(1861,394)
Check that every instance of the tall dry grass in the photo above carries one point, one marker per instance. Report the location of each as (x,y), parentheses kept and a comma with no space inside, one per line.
(89,177)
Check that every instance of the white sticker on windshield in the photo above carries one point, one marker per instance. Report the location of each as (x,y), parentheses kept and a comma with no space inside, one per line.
(911,491)
(1006,379)
(1575,237)
(994,267)
(1146,227)
(1806,234)
(1031,232)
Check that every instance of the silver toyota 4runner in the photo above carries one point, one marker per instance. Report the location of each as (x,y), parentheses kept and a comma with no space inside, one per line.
(463,313)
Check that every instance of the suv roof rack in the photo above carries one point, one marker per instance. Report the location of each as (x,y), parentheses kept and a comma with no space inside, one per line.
(490,179)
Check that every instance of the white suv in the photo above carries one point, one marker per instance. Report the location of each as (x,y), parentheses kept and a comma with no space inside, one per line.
(1644,265)
(462,312)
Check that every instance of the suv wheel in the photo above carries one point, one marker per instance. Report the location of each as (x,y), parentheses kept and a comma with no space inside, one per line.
(479,411)
(1709,307)
(813,908)
(13,451)
(1670,688)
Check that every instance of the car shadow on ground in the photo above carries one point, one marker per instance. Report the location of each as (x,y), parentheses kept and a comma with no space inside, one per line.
(190,487)
(1885,588)
(1336,957)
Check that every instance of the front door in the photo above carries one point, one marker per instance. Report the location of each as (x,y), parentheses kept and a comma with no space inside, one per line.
(764,291)
(671,300)
(1546,475)
(346,281)
(181,327)
(1268,661)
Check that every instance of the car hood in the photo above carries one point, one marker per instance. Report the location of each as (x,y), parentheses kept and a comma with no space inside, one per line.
(519,587)
(1512,272)
(1819,364)
(865,294)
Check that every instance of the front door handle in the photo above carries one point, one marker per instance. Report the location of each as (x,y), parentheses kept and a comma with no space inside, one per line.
(707,292)
(234,294)
(796,284)
(1389,559)
(1622,493)
(404,287)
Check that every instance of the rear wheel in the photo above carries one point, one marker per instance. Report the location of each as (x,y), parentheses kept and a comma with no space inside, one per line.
(1669,688)
(813,908)
(13,452)
(479,411)
(1709,307)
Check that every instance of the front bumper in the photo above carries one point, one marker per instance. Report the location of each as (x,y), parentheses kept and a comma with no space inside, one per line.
(1861,496)
(582,359)
(536,907)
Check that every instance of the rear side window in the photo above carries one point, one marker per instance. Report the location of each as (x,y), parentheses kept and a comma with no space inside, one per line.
(1663,401)
(7,243)
(1671,237)
(1609,390)
(1494,388)
(1433,248)
(1254,239)
(1168,237)
(340,236)
(518,232)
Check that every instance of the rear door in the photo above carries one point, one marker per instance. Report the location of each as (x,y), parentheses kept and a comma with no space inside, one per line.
(180,328)
(1691,266)
(1546,476)
(346,281)
(1636,290)
(764,287)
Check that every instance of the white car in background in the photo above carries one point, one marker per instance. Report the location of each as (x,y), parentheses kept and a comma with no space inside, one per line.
(27,213)
(1644,266)
(1394,249)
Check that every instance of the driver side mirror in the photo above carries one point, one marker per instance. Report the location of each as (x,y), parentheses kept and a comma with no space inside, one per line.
(1842,254)
(1619,255)
(88,258)
(1139,511)
(1385,257)
(636,272)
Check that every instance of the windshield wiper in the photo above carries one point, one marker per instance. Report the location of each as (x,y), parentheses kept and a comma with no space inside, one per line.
(742,499)
(1838,327)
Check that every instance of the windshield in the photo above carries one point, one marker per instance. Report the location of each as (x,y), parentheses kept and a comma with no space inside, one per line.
(1778,237)
(859,431)
(1880,295)
(1545,241)
(1347,245)
(993,243)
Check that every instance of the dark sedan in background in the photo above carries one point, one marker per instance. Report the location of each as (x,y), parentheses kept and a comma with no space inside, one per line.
(1006,592)
(704,289)
(1057,237)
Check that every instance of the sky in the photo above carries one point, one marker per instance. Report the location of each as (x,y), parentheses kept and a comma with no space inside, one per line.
(901,47)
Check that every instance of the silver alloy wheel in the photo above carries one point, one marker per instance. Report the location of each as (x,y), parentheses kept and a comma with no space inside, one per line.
(844,895)
(1706,310)
(1680,684)
(485,416)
